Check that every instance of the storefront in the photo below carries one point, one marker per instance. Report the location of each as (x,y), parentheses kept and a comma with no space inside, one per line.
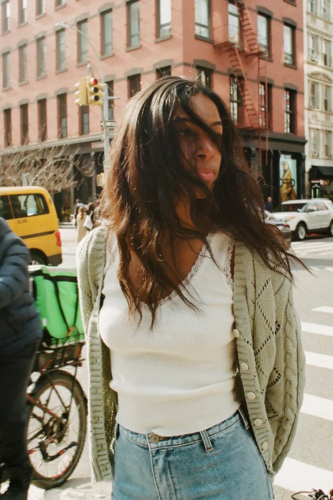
(321,182)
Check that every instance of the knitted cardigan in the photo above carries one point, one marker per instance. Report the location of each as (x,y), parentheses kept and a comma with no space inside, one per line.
(269,354)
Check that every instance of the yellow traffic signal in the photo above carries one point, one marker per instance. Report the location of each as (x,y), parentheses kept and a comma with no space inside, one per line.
(95,92)
(81,93)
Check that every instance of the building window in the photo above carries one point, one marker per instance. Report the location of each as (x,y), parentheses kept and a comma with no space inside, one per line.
(327,98)
(314,142)
(7,116)
(59,3)
(82,42)
(289,111)
(62,115)
(110,102)
(236,102)
(134,85)
(328,144)
(264,34)
(84,120)
(265,118)
(325,11)
(42,120)
(40,7)
(326,53)
(133,24)
(24,124)
(312,6)
(23,52)
(204,76)
(165,71)
(41,57)
(5,8)
(106,31)
(202,18)
(22,11)
(60,50)
(6,70)
(234,25)
(313,48)
(289,44)
(163,18)
(314,95)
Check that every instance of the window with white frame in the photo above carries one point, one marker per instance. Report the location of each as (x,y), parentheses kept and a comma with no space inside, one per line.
(234,24)
(289,44)
(314,140)
(327,98)
(326,53)
(325,11)
(6,70)
(202,18)
(5,16)
(163,18)
(313,6)
(314,95)
(313,48)
(327,143)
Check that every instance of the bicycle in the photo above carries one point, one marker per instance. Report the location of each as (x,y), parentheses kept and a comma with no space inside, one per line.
(57,413)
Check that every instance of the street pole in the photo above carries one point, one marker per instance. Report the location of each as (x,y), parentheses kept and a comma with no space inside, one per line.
(106,124)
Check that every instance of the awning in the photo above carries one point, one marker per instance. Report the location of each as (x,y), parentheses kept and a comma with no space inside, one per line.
(327,171)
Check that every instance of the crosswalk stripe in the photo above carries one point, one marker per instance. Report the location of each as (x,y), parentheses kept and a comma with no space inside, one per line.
(314,268)
(319,360)
(312,245)
(299,476)
(319,329)
(323,309)
(329,269)
(317,407)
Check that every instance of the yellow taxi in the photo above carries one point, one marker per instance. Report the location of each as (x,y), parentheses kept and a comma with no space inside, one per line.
(30,213)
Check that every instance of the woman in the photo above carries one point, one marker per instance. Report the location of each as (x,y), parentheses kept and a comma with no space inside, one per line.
(80,220)
(191,294)
(19,338)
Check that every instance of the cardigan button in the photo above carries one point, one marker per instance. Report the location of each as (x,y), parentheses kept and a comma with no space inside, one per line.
(244,366)
(251,395)
(265,446)
(236,333)
(258,422)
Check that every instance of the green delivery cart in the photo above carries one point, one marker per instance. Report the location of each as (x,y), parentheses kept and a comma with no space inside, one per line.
(56,296)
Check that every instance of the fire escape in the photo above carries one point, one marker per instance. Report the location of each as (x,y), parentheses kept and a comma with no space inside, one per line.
(256,108)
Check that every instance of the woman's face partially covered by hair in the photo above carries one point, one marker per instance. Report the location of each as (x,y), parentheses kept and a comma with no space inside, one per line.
(200,153)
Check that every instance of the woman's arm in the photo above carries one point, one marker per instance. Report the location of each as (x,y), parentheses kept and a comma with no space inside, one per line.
(284,393)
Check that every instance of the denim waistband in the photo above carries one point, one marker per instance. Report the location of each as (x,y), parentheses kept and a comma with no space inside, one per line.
(145,440)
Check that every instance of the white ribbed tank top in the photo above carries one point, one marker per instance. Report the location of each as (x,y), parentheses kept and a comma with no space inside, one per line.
(178,378)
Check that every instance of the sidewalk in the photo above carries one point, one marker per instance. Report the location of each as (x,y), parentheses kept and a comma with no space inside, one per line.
(79,489)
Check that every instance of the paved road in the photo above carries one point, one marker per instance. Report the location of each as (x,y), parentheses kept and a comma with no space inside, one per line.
(310,463)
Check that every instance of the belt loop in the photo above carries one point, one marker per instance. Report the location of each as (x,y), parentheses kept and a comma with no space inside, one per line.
(244,419)
(206,441)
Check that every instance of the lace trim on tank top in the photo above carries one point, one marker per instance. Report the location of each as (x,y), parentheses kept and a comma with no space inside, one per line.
(227,263)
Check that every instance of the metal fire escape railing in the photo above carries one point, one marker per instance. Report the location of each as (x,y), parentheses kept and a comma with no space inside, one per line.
(258,120)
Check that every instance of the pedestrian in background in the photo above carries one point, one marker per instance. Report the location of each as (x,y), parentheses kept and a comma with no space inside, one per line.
(80,220)
(78,204)
(20,335)
(90,217)
(269,204)
(193,340)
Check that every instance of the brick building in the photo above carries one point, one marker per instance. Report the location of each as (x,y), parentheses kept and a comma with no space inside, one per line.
(250,53)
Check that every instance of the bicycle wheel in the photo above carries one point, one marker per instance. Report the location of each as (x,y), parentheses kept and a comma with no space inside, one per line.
(54,446)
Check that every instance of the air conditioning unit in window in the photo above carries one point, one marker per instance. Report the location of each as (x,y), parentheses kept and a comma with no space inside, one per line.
(314,153)
(314,57)
(326,16)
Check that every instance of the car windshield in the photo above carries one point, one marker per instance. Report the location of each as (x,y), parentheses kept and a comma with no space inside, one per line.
(290,207)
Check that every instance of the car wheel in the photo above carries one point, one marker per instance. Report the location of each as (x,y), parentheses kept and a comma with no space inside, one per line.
(36,260)
(301,231)
(330,229)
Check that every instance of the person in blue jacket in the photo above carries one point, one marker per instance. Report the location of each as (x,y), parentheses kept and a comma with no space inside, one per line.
(20,334)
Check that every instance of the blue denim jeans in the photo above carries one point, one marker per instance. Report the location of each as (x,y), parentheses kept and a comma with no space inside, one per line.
(220,463)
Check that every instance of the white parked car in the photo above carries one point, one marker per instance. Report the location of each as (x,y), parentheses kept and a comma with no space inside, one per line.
(306,216)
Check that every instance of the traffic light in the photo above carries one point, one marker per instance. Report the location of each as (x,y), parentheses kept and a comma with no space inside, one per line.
(81,93)
(95,92)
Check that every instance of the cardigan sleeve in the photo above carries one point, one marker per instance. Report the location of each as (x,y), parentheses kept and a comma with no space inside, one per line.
(86,290)
(285,391)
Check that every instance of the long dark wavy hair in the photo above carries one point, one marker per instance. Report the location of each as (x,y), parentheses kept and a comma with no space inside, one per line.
(148,175)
